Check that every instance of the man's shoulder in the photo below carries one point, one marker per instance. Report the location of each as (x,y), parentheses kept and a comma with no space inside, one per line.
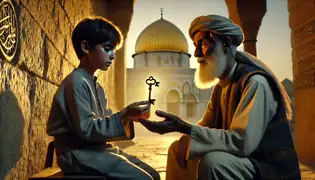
(252,73)
(248,69)
(259,79)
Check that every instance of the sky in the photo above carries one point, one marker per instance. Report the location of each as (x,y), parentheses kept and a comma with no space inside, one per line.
(273,40)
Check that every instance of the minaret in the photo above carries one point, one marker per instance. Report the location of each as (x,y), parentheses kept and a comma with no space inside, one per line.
(161,13)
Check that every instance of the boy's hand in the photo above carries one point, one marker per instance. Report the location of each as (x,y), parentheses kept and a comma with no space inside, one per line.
(135,111)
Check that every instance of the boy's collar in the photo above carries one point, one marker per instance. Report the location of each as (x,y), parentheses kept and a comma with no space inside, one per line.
(83,71)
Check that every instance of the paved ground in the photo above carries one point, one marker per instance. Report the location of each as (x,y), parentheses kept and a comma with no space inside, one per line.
(153,150)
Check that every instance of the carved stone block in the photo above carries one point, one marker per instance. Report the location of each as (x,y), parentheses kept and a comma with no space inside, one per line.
(306,76)
(304,32)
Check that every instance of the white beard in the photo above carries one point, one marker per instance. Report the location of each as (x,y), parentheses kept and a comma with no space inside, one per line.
(206,75)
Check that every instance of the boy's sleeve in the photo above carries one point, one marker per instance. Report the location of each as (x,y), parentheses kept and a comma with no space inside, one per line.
(83,120)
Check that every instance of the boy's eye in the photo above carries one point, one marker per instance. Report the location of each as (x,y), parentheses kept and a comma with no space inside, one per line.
(108,48)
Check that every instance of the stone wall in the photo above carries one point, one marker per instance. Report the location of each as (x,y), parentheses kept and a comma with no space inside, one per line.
(43,59)
(302,24)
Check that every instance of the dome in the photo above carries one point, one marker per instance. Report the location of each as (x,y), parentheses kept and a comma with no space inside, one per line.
(161,35)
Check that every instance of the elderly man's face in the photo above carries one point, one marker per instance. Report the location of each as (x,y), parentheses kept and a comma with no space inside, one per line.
(211,58)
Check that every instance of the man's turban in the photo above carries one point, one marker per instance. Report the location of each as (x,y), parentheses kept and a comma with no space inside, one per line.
(218,25)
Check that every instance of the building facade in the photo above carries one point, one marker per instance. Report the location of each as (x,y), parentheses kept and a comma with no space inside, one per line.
(162,52)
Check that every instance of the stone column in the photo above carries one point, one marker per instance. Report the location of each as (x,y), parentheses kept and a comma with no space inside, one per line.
(302,24)
(248,15)
(119,12)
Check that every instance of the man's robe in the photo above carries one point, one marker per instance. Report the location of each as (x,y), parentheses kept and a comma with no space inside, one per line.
(242,131)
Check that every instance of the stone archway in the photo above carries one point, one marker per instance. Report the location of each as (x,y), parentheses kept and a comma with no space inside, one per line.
(248,15)
(173,102)
(186,88)
(191,106)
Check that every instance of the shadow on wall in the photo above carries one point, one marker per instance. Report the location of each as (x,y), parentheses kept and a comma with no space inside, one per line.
(11,132)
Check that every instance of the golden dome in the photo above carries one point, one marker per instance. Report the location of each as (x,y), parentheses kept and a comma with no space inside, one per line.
(161,35)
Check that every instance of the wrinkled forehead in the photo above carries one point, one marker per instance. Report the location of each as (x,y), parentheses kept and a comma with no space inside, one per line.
(199,36)
(203,35)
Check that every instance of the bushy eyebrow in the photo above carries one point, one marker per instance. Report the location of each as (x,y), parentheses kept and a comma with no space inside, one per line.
(198,42)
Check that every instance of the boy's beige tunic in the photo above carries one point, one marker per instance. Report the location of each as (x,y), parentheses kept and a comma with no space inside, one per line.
(80,105)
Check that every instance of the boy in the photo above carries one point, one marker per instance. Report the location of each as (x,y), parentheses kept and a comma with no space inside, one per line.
(79,120)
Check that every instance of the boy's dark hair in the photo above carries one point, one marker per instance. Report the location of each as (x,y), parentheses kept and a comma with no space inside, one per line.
(95,31)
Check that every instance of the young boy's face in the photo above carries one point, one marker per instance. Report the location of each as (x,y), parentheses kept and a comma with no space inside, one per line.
(102,55)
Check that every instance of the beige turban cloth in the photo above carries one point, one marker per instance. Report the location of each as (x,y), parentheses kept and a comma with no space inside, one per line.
(219,25)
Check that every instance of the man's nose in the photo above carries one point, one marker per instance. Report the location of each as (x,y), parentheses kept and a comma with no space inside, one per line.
(198,53)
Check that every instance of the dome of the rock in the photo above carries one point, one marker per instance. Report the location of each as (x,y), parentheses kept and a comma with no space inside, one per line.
(161,35)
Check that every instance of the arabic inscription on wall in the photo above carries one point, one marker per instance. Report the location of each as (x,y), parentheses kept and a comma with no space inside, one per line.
(304,36)
(8,30)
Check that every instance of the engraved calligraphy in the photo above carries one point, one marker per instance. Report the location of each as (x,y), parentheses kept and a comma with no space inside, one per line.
(8,30)
(306,48)
(307,65)
(304,32)
(305,80)
(306,76)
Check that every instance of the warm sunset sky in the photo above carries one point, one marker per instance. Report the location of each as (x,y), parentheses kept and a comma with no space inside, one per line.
(273,46)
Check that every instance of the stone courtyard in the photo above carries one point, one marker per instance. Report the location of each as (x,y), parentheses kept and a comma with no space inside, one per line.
(153,150)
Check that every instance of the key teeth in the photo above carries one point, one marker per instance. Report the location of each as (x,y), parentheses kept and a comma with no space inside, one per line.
(152,101)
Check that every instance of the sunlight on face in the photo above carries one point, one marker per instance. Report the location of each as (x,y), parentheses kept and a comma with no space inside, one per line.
(203,77)
(210,68)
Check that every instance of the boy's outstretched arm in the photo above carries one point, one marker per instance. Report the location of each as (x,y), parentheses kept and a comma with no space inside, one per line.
(83,121)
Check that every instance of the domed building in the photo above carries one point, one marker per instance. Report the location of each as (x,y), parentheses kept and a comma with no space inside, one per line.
(161,51)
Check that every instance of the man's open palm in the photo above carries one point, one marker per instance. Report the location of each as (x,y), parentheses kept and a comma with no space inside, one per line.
(171,123)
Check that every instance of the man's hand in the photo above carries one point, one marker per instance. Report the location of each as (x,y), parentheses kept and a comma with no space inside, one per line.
(171,123)
(182,150)
(135,111)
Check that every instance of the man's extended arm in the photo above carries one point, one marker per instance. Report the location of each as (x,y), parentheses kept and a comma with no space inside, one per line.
(255,110)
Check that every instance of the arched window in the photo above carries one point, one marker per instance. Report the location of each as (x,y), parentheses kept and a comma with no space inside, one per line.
(186,88)
(191,106)
(159,60)
(173,102)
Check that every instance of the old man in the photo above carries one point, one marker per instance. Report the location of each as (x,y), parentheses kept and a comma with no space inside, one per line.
(244,133)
